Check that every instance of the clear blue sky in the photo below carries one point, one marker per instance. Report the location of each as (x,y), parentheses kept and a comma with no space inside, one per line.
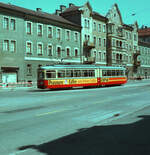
(141,8)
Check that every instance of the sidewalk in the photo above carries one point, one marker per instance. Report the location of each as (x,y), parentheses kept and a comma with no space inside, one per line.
(16,88)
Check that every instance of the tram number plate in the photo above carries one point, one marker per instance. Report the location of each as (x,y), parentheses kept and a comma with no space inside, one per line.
(104,80)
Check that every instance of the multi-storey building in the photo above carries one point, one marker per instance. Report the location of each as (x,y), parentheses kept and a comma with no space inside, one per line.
(93,33)
(30,39)
(122,42)
(144,46)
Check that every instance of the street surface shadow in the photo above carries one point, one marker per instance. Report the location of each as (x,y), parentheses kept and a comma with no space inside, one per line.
(127,139)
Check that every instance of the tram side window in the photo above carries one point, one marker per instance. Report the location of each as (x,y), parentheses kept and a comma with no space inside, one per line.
(121,72)
(84,73)
(92,73)
(77,73)
(108,72)
(104,73)
(117,73)
(61,73)
(69,73)
(51,74)
(113,73)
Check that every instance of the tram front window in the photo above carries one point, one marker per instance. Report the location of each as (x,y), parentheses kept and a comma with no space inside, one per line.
(40,75)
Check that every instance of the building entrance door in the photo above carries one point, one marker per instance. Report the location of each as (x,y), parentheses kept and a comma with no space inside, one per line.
(9,78)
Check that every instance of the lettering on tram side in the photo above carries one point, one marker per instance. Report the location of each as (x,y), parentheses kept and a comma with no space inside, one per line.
(72,81)
(55,82)
(104,79)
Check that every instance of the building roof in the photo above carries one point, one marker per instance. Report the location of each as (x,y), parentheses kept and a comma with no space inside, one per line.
(145,44)
(98,16)
(39,14)
(74,8)
(144,32)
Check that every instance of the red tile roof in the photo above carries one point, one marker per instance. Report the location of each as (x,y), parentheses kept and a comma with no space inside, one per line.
(144,32)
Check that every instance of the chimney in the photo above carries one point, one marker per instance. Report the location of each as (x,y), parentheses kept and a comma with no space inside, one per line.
(58,12)
(71,4)
(62,8)
(39,9)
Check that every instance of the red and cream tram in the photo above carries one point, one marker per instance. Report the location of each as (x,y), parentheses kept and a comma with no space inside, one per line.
(65,76)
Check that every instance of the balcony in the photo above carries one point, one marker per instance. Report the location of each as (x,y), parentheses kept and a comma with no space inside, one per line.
(89,45)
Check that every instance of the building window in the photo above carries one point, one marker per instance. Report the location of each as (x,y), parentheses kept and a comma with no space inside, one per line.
(76,52)
(12,24)
(29,69)
(99,27)
(88,37)
(104,40)
(104,56)
(67,35)
(68,52)
(6,45)
(40,49)
(28,48)
(58,34)
(94,26)
(135,37)
(100,57)
(39,29)
(58,51)
(13,46)
(49,50)
(50,32)
(6,23)
(94,40)
(76,36)
(113,42)
(99,41)
(104,28)
(29,26)
(88,24)
(85,23)
(85,37)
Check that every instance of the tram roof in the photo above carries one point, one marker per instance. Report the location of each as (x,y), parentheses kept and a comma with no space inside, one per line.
(80,67)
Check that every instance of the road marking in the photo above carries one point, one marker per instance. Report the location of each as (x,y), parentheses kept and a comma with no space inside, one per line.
(51,112)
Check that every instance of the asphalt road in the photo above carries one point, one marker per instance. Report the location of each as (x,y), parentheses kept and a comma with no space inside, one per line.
(78,121)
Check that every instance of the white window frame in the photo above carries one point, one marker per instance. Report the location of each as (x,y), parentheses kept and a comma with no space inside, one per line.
(31,47)
(57,37)
(6,28)
(99,55)
(27,27)
(104,28)
(39,43)
(41,33)
(58,46)
(51,49)
(14,28)
(76,36)
(48,34)
(6,46)
(67,38)
(95,40)
(69,51)
(99,42)
(13,47)
(99,27)
(94,25)
(77,52)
